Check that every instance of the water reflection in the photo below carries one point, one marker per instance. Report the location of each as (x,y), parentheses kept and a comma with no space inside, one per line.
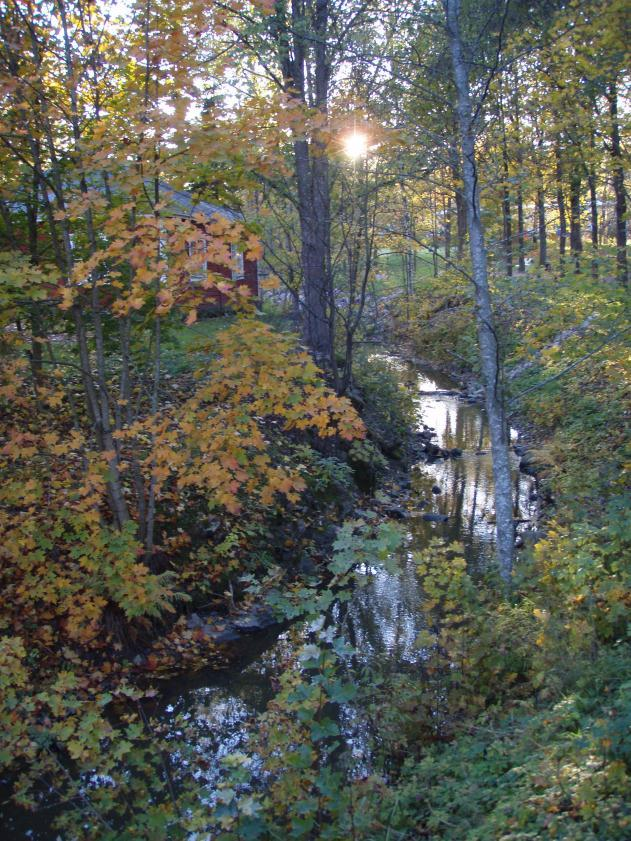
(383,618)
(221,707)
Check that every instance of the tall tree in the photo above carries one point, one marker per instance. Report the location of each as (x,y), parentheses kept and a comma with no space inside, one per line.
(618,184)
(301,36)
(490,352)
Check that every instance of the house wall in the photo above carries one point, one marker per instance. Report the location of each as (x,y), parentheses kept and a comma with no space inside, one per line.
(217,301)
(251,276)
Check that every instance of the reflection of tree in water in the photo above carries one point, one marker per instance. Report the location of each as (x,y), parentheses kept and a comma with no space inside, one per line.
(447,435)
(476,482)
(460,423)
(516,500)
(382,619)
(467,482)
(458,488)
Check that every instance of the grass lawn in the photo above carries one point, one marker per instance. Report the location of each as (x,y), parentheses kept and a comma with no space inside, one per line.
(204,330)
(182,347)
(391,263)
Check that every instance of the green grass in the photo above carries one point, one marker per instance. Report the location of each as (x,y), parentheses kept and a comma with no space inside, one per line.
(390,263)
(183,346)
(559,772)
(203,331)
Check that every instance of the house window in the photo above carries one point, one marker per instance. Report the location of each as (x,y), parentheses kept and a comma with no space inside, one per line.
(237,259)
(200,270)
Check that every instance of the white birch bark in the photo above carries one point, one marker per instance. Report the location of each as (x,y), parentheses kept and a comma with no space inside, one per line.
(487,335)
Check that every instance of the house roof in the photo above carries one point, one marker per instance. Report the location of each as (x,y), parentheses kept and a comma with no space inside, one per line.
(181,202)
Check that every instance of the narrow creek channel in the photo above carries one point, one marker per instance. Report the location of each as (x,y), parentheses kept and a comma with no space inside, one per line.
(382,619)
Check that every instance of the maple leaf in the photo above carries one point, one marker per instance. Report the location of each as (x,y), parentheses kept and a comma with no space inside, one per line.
(67,298)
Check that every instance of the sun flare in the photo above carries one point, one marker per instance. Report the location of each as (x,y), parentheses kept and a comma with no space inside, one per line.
(356,145)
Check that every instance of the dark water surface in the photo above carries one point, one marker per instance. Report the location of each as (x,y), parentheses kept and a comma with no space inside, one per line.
(382,619)
(384,616)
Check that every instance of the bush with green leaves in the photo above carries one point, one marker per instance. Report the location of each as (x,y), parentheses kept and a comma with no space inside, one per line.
(558,772)
(388,406)
(324,475)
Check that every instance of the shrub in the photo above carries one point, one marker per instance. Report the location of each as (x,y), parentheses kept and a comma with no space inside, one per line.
(388,406)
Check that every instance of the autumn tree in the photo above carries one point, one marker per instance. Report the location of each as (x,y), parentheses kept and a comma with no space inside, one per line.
(97,128)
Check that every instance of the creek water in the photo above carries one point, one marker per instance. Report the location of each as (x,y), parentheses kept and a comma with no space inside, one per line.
(382,619)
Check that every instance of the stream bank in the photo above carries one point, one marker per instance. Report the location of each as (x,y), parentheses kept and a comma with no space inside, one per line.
(448,498)
(441,486)
(382,620)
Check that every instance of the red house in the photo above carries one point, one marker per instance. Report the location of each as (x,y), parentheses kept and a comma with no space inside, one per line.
(246,272)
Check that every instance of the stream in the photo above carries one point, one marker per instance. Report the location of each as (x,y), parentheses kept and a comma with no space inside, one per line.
(382,619)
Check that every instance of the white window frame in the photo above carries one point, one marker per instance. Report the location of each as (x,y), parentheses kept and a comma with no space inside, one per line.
(237,256)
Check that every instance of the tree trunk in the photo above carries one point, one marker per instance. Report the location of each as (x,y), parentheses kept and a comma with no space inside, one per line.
(461,211)
(507,222)
(408,255)
(622,268)
(516,117)
(98,397)
(447,211)
(576,237)
(312,174)
(593,207)
(487,335)
(313,189)
(461,223)
(434,237)
(543,233)
(38,333)
(540,204)
(521,243)
(361,259)
(126,405)
(561,207)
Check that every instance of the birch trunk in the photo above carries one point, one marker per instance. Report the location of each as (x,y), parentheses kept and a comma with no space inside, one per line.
(487,335)
(618,186)
(561,206)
